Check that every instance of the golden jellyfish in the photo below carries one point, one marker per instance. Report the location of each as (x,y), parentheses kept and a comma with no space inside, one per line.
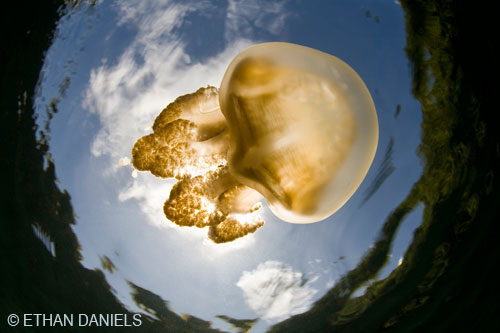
(290,124)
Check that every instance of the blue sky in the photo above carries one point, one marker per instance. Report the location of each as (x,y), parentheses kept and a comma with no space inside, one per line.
(127,60)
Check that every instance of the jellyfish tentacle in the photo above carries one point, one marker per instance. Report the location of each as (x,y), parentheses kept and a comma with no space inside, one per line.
(235,227)
(191,202)
(189,138)
(213,199)
(200,107)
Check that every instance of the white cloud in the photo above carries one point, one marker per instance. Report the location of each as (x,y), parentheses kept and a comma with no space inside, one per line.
(151,193)
(124,161)
(244,16)
(153,70)
(275,291)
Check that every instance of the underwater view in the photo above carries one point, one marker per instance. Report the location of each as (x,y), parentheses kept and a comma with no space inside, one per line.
(236,166)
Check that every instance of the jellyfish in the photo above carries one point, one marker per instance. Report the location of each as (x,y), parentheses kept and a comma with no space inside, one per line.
(289,124)
(189,138)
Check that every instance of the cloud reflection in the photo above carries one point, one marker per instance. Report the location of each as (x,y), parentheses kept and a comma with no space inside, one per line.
(275,291)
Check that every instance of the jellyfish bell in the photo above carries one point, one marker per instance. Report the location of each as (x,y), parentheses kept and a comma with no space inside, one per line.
(302,126)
